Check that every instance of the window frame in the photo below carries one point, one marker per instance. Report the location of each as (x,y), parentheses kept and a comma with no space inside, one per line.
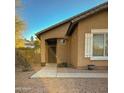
(98,31)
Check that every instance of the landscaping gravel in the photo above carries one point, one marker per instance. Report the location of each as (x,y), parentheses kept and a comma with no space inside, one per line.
(59,85)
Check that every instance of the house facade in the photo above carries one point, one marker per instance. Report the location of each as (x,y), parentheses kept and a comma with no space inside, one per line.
(79,41)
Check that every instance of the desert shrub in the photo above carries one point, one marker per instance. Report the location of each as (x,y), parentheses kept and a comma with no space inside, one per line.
(25,58)
(21,63)
(62,65)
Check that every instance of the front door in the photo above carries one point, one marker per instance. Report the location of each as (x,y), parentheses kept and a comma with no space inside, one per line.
(52,54)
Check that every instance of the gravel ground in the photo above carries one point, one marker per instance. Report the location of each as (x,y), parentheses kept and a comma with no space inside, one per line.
(58,85)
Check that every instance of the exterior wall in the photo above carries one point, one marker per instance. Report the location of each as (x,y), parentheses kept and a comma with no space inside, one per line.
(58,32)
(97,21)
(74,48)
(43,51)
(68,52)
(61,52)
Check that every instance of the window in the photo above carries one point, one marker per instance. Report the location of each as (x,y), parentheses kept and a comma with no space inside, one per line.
(99,45)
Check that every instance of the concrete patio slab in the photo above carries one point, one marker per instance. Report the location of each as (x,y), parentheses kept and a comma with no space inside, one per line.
(50,71)
(82,75)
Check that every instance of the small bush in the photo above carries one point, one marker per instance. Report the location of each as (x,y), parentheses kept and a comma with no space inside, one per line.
(62,65)
(43,64)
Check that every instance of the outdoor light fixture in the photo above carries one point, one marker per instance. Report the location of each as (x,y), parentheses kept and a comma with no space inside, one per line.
(62,41)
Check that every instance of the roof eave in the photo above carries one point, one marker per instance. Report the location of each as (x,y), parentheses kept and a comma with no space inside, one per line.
(85,15)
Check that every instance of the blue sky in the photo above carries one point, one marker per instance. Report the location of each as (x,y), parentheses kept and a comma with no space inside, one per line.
(40,14)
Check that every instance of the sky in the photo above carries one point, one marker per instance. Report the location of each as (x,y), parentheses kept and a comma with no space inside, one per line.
(41,14)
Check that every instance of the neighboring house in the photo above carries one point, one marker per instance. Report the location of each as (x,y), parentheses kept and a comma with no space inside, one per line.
(29,44)
(80,40)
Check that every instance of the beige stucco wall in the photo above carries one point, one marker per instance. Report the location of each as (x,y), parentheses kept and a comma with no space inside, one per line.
(73,51)
(74,48)
(43,50)
(97,21)
(58,32)
(62,52)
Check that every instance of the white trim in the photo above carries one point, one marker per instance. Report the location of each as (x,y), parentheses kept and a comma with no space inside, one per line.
(99,58)
(91,53)
(87,44)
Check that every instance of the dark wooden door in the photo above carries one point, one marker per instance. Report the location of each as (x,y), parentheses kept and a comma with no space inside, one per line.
(52,54)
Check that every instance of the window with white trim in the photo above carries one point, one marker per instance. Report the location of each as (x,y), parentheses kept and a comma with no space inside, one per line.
(96,44)
(99,45)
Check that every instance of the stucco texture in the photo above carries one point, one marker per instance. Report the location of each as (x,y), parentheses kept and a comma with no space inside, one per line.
(73,51)
(96,21)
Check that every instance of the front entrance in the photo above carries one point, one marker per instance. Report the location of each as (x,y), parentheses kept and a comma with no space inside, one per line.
(51,55)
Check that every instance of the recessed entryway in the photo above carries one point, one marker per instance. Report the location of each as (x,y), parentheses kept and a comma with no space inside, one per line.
(52,54)
(51,50)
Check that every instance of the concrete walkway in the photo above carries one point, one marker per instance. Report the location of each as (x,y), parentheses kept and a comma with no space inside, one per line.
(50,70)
